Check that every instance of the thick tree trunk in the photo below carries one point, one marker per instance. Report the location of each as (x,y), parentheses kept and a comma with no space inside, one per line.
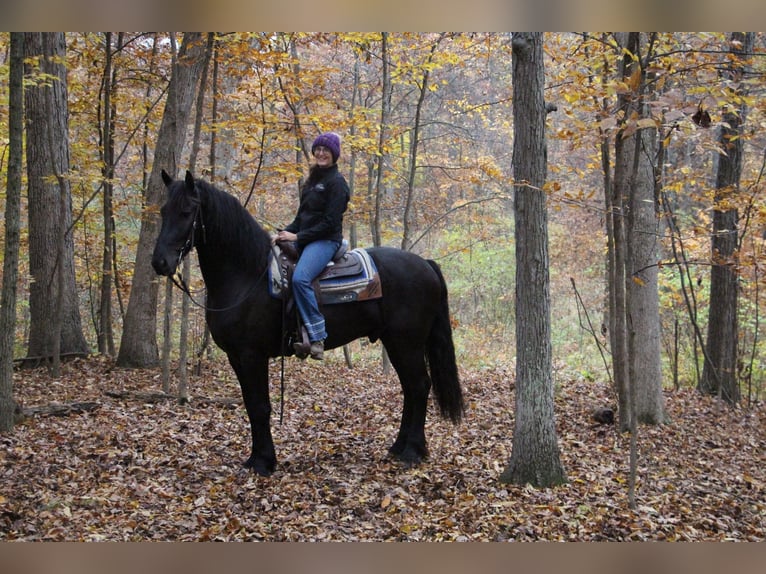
(719,374)
(139,339)
(535,454)
(12,230)
(53,291)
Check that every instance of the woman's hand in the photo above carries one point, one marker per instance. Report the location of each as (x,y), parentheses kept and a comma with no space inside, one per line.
(284,236)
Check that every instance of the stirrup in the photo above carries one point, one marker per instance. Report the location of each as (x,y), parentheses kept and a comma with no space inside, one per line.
(302,347)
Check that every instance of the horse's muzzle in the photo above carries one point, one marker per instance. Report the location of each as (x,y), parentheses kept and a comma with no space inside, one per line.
(162,266)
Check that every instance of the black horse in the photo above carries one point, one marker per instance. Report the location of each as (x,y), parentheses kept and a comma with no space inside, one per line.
(246,321)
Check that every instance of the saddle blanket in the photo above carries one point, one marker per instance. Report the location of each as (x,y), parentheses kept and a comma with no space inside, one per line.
(354,278)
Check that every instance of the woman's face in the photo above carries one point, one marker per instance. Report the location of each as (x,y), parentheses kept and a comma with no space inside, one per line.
(323,156)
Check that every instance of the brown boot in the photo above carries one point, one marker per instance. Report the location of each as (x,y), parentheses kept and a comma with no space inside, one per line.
(317,350)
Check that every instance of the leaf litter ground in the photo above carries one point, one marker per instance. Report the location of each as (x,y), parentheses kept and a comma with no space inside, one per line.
(150,469)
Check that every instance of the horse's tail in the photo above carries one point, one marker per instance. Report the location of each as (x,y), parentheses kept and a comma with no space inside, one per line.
(441,359)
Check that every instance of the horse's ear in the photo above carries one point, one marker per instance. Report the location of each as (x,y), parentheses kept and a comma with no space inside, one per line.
(189,180)
(166,178)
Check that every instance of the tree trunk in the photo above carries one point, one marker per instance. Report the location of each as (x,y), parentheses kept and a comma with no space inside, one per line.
(213,165)
(105,332)
(414,142)
(615,258)
(636,319)
(382,157)
(643,288)
(719,374)
(183,345)
(139,340)
(640,393)
(53,291)
(643,285)
(618,295)
(12,229)
(535,455)
(385,113)
(624,154)
(167,340)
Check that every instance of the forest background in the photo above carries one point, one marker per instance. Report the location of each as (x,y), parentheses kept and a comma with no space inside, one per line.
(448,197)
(426,122)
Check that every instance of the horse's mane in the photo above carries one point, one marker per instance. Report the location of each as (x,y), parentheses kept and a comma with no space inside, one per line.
(228,223)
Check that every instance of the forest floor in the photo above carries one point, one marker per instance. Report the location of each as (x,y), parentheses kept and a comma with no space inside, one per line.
(139,467)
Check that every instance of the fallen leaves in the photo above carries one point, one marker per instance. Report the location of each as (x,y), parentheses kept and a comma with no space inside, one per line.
(137,469)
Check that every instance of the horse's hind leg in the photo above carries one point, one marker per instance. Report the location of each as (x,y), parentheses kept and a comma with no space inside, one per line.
(409,363)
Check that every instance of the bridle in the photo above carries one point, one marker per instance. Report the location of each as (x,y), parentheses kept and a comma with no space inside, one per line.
(186,248)
(189,245)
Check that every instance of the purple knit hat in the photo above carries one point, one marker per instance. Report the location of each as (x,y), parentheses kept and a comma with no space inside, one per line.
(331,141)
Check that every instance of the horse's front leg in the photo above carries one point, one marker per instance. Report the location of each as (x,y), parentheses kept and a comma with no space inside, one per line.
(253,375)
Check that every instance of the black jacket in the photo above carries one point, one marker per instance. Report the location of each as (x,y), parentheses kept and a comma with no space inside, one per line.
(324,199)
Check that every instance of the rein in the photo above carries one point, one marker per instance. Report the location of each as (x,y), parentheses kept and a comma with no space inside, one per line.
(179,282)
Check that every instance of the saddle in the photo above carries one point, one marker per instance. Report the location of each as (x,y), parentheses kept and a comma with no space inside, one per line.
(339,266)
(350,276)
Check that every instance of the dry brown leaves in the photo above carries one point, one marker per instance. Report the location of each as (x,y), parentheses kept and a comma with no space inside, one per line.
(157,470)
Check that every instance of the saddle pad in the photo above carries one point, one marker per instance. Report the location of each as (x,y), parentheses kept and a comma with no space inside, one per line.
(360,284)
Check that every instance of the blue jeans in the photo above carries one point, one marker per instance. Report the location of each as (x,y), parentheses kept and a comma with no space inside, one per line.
(313,260)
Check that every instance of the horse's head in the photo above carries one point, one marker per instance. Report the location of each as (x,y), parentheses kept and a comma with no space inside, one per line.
(180,216)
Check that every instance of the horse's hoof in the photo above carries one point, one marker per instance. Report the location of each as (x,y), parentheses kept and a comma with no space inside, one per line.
(410,456)
(260,467)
